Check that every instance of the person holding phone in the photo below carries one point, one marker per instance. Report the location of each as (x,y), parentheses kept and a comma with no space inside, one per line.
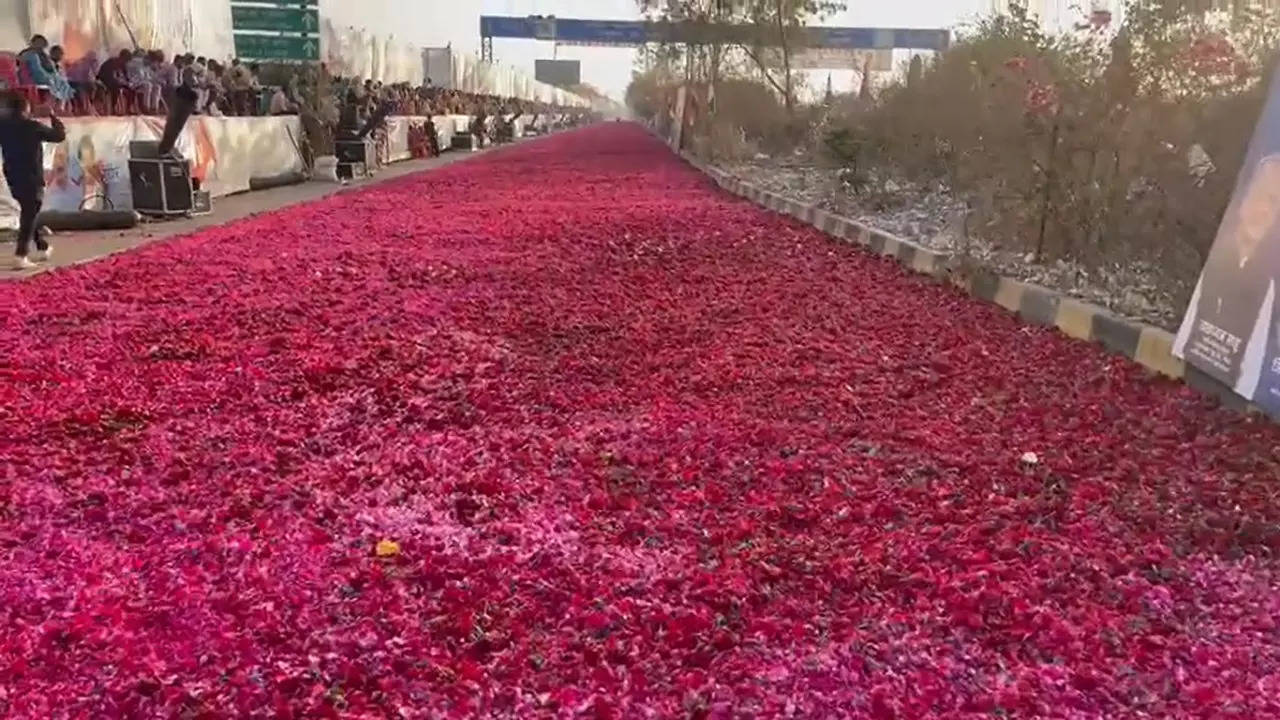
(22,141)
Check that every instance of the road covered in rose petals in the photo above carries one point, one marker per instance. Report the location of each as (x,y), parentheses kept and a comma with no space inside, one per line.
(566,431)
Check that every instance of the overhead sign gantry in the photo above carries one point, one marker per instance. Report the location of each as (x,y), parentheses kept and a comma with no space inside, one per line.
(634,33)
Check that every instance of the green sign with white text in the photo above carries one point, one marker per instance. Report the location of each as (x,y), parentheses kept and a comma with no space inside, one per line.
(276,19)
(283,3)
(277,47)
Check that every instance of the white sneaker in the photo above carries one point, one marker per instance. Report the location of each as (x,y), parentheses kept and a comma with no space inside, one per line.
(22,262)
(43,255)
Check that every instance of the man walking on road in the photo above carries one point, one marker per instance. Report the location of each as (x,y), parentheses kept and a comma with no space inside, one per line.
(22,145)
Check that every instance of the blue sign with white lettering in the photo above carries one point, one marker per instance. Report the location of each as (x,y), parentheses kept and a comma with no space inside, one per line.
(635,32)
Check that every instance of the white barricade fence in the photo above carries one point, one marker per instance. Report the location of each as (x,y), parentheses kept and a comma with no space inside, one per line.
(90,169)
(398,137)
(444,131)
(398,133)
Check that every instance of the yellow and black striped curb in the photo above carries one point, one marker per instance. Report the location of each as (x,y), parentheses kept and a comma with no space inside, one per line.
(1149,346)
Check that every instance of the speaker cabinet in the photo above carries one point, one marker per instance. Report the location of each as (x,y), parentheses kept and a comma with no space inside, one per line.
(357,154)
(161,186)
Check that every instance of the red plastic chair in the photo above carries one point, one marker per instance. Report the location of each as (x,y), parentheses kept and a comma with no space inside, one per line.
(43,94)
(11,79)
(85,101)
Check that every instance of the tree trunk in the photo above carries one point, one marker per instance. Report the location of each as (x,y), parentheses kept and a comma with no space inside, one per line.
(713,77)
(786,57)
(1051,177)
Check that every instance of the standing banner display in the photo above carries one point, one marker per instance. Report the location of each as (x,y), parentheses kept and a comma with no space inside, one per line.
(437,67)
(1231,330)
(90,169)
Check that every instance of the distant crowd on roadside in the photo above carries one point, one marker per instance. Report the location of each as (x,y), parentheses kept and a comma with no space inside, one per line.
(145,82)
(428,100)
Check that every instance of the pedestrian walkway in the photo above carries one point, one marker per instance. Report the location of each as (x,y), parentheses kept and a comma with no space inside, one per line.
(567,431)
(74,248)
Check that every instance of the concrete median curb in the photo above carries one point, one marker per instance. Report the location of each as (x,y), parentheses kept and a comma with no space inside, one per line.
(1147,345)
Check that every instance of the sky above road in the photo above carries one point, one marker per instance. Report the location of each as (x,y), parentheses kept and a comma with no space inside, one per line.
(438,22)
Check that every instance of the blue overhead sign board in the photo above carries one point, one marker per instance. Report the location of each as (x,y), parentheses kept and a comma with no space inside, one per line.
(505,27)
(862,38)
(625,33)
(565,30)
(601,32)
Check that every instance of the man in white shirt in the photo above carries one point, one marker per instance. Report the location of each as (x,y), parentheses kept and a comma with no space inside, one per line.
(142,82)
(242,84)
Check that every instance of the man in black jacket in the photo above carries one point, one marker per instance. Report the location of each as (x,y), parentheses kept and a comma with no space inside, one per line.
(22,145)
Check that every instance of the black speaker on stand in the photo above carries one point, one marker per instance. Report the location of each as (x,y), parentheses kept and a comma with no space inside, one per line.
(354,149)
(161,178)
(356,154)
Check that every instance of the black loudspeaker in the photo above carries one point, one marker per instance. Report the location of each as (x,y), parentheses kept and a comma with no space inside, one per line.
(161,186)
(464,141)
(144,149)
(184,103)
(356,155)
(351,151)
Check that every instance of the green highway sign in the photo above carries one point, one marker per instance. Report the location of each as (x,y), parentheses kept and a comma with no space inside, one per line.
(277,47)
(277,19)
(282,3)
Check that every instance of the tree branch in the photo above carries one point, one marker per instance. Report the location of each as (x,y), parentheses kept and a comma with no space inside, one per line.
(764,70)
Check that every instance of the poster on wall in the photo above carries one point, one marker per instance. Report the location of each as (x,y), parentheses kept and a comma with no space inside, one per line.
(1231,330)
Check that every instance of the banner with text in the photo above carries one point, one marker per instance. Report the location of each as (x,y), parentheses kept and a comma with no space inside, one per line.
(1232,327)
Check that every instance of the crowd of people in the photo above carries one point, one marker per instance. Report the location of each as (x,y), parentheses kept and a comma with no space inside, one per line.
(145,82)
(360,108)
(133,82)
(428,100)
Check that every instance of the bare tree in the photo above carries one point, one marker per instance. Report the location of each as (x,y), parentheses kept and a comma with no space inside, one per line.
(761,29)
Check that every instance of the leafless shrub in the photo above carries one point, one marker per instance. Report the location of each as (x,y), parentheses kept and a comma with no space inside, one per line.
(1102,149)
